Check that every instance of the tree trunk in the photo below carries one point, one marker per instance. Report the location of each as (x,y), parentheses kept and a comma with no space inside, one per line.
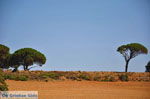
(15,70)
(25,68)
(126,67)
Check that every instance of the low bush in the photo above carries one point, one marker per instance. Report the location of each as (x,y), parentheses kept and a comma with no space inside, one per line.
(9,76)
(112,79)
(84,77)
(16,77)
(97,78)
(3,85)
(21,78)
(123,77)
(76,75)
(108,78)
(50,75)
(72,77)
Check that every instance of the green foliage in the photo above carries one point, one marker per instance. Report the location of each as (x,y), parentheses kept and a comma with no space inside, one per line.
(3,88)
(24,56)
(112,79)
(108,78)
(72,77)
(130,51)
(4,49)
(3,85)
(97,78)
(27,57)
(84,77)
(4,56)
(134,48)
(21,78)
(123,77)
(50,75)
(16,77)
(78,76)
(9,76)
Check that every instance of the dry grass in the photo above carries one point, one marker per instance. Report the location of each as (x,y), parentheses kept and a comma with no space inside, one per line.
(77,75)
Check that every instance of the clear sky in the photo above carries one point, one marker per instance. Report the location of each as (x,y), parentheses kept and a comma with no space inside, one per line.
(77,34)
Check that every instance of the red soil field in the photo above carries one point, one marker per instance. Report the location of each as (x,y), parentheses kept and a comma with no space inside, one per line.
(84,89)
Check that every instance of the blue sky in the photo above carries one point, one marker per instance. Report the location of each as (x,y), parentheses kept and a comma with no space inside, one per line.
(77,34)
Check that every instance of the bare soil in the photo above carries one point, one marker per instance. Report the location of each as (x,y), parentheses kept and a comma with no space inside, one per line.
(84,89)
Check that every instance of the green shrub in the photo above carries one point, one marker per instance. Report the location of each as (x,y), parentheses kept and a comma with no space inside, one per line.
(21,78)
(108,79)
(9,76)
(97,78)
(112,79)
(44,76)
(123,77)
(54,76)
(3,85)
(16,77)
(50,75)
(84,77)
(72,77)
(2,80)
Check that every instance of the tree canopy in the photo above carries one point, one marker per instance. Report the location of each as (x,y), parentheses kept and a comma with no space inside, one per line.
(148,67)
(4,56)
(130,51)
(27,57)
